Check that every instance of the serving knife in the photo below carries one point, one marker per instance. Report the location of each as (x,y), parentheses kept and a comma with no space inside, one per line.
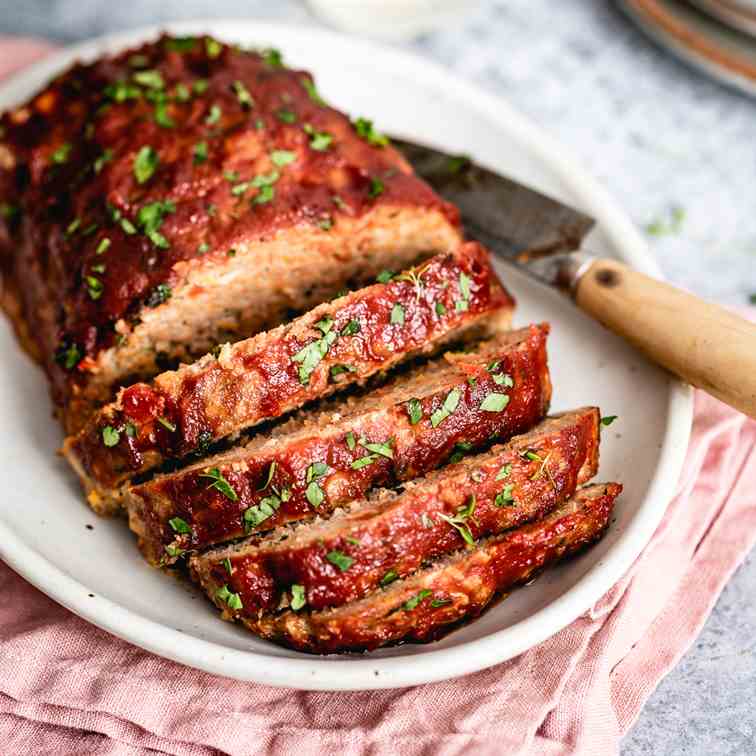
(701,343)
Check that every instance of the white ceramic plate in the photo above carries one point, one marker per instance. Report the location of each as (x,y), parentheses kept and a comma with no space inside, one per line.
(98,573)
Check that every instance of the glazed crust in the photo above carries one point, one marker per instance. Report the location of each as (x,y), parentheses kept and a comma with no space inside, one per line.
(433,601)
(362,333)
(180,168)
(269,480)
(376,542)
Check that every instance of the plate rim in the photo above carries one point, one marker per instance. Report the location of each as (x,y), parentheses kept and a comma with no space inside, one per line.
(372,673)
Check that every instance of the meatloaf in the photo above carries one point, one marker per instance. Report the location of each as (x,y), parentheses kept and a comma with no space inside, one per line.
(338,343)
(186,193)
(387,538)
(324,459)
(431,602)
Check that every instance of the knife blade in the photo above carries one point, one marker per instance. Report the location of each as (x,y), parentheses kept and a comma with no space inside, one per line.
(700,342)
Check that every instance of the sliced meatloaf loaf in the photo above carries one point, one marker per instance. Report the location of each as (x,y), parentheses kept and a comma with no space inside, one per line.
(183,194)
(434,600)
(336,344)
(322,460)
(378,541)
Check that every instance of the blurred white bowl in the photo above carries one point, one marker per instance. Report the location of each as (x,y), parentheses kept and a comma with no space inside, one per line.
(397,20)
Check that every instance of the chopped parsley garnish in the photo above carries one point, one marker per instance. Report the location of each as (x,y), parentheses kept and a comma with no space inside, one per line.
(269,478)
(68,355)
(162,118)
(352,327)
(351,441)
(220,483)
(100,268)
(227,565)
(608,420)
(167,424)
(440,602)
(377,188)
(503,379)
(272,57)
(110,436)
(389,577)
(319,140)
(179,525)
(255,515)
(213,48)
(358,464)
(103,245)
(458,163)
(384,276)
(243,95)
(287,116)
(105,157)
(397,314)
(325,223)
(310,356)
(181,44)
(416,600)
(340,560)
(338,370)
(149,78)
(314,494)
(264,196)
(131,430)
(203,248)
(61,155)
(200,86)
(233,600)
(73,226)
(150,218)
(495,402)
(213,115)
(161,293)
(446,409)
(459,521)
(282,157)
(504,471)
(464,288)
(95,287)
(383,450)
(145,164)
(312,92)
(504,498)
(415,411)
(181,93)
(365,129)
(298,598)
(460,449)
(440,309)
(174,551)
(200,153)
(532,456)
(121,91)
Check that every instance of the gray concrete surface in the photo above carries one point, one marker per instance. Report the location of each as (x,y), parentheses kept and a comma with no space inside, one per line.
(677,150)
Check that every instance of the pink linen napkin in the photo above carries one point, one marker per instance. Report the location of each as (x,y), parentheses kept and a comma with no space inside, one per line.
(67,687)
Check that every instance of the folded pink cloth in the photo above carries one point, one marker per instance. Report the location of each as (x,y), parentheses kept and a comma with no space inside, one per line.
(68,688)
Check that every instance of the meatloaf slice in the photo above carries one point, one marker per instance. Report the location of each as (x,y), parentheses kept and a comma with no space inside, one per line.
(336,344)
(376,542)
(187,193)
(435,600)
(322,460)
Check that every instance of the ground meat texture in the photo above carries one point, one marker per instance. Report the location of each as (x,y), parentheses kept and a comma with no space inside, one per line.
(324,460)
(183,194)
(433,601)
(363,332)
(376,542)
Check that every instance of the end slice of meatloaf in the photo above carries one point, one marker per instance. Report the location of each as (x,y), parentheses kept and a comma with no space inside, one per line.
(389,537)
(184,194)
(435,600)
(322,460)
(339,343)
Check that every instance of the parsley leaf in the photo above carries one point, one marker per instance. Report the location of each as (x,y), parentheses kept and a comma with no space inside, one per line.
(495,403)
(365,130)
(608,420)
(416,600)
(213,115)
(150,219)
(145,164)
(179,525)
(459,521)
(298,598)
(340,560)
(415,411)
(505,498)
(314,494)
(161,293)
(220,483)
(319,140)
(449,405)
(282,157)
(61,155)
(243,95)
(200,153)
(377,187)
(504,471)
(110,436)
(384,276)
(151,79)
(389,577)
(384,450)
(397,314)
(312,92)
(233,600)
(255,515)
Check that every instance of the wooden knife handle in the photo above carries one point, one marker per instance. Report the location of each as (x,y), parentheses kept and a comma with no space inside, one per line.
(700,342)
